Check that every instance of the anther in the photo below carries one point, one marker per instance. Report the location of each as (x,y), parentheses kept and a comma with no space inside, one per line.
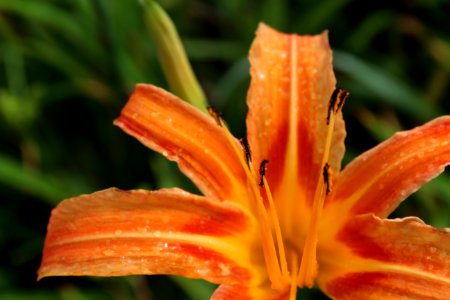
(327,177)
(337,100)
(262,171)
(247,152)
(216,115)
(343,95)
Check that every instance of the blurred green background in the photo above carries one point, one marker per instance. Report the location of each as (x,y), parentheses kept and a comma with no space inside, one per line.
(68,66)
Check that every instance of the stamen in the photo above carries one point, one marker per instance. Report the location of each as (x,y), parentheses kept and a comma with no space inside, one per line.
(327,174)
(247,152)
(268,244)
(216,115)
(294,270)
(308,266)
(262,171)
(274,219)
(337,100)
(343,95)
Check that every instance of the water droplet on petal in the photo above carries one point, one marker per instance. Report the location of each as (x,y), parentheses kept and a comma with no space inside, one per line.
(155,114)
(142,229)
(224,269)
(108,252)
(203,272)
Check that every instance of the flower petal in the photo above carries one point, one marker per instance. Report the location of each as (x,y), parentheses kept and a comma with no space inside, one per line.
(292,81)
(388,259)
(379,179)
(182,133)
(115,232)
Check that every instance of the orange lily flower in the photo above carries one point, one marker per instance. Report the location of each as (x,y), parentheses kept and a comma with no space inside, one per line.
(277,212)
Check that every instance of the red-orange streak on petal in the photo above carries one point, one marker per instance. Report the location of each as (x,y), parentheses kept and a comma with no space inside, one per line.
(182,133)
(400,258)
(131,256)
(225,266)
(168,210)
(379,179)
(269,102)
(386,286)
(114,232)
(406,242)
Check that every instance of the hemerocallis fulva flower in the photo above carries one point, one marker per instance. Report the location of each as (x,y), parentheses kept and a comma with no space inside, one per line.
(277,212)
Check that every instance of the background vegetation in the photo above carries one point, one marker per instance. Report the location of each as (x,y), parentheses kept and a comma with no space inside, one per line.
(68,66)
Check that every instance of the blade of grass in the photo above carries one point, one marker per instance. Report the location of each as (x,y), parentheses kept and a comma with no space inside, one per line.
(42,12)
(274,12)
(121,26)
(228,83)
(364,33)
(380,128)
(204,49)
(14,175)
(80,32)
(316,18)
(385,86)
(57,57)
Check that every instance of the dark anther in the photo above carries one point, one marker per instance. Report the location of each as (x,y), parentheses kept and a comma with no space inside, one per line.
(343,95)
(337,100)
(262,171)
(247,152)
(327,173)
(215,114)
(332,103)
